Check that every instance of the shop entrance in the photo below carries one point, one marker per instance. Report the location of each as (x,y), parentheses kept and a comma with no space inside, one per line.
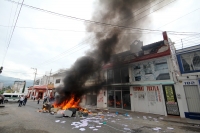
(170,100)
(192,98)
(119,97)
(40,95)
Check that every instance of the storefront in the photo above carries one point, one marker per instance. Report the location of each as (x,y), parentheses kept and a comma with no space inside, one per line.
(154,99)
(39,91)
(119,97)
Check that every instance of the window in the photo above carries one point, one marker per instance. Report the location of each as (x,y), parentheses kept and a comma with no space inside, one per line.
(15,96)
(191,61)
(7,95)
(57,81)
(117,76)
(125,75)
(161,66)
(147,69)
(110,76)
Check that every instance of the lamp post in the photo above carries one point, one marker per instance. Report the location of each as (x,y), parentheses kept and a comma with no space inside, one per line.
(33,80)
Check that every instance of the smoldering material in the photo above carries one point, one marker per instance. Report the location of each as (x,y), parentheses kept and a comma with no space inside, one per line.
(109,40)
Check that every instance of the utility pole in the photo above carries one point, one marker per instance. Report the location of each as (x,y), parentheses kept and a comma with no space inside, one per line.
(48,82)
(33,80)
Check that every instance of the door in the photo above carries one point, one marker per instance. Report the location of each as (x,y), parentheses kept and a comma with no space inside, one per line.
(126,100)
(118,99)
(170,100)
(192,98)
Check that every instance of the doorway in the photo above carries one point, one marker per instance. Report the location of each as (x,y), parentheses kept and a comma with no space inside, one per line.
(118,99)
(171,100)
(192,98)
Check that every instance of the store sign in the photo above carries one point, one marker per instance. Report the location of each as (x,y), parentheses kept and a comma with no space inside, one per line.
(154,93)
(189,82)
(140,88)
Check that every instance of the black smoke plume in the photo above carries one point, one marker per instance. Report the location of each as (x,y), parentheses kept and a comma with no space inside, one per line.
(109,41)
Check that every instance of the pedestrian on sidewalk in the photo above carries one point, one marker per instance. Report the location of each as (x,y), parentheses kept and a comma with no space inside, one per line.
(21,101)
(38,102)
(25,100)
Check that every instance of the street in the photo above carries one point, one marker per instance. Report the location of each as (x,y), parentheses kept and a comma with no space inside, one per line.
(26,119)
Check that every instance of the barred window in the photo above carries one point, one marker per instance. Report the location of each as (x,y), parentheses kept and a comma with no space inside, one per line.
(191,61)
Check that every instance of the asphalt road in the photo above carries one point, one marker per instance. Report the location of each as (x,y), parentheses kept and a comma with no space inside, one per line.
(26,119)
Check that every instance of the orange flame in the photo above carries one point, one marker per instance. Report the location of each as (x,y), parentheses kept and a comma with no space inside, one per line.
(67,104)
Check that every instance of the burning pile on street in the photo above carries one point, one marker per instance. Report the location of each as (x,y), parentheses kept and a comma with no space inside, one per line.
(68,108)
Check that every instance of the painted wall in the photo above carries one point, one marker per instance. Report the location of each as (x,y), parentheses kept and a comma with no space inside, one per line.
(102,98)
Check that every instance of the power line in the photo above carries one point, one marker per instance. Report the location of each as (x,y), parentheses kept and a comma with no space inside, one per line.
(50,60)
(12,32)
(101,23)
(179,17)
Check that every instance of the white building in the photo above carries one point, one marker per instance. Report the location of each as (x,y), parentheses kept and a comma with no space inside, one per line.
(145,81)
(189,81)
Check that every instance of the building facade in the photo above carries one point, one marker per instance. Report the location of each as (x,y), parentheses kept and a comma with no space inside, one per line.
(189,64)
(43,86)
(142,81)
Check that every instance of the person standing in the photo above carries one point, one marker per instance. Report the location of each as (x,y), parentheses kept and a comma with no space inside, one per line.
(25,100)
(21,101)
(45,99)
(38,101)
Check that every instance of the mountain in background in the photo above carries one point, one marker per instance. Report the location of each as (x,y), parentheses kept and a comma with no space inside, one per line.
(9,81)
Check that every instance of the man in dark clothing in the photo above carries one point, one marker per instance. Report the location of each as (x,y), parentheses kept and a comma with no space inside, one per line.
(25,100)
(38,102)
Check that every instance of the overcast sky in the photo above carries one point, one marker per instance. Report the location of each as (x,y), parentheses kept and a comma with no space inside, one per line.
(47,49)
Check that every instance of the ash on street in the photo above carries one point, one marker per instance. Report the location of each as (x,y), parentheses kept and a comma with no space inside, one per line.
(26,119)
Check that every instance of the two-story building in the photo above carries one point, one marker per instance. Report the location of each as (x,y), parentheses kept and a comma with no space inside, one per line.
(189,93)
(142,79)
(43,86)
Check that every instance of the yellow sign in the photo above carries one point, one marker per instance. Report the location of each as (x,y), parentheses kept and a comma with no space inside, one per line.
(50,86)
(169,94)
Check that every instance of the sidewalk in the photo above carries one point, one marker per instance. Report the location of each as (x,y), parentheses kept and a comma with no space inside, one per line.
(169,118)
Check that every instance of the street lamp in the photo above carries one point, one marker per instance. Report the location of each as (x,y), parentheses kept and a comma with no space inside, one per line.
(33,80)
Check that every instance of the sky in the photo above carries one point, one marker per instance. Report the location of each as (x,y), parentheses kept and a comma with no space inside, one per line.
(50,42)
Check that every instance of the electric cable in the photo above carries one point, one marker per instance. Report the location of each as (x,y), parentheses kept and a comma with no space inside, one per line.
(12,33)
(101,23)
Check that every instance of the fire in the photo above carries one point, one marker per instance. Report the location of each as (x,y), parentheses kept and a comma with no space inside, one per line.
(68,104)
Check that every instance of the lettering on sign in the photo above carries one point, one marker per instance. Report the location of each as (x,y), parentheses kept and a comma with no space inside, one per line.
(189,83)
(141,88)
(156,90)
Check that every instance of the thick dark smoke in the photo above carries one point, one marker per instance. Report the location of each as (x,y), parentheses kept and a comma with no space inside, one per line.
(109,41)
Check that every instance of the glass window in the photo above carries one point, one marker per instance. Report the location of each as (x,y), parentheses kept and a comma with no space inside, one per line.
(187,63)
(7,95)
(161,66)
(57,81)
(110,76)
(147,69)
(196,60)
(125,75)
(126,100)
(118,99)
(110,97)
(15,96)
(117,76)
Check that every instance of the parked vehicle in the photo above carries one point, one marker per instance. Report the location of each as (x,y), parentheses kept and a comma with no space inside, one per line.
(12,97)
